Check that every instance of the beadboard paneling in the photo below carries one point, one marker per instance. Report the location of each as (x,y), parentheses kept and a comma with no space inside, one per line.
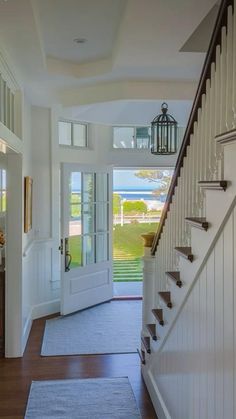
(38,288)
(196,369)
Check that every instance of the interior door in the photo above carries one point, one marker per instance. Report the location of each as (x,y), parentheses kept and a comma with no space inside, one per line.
(86,244)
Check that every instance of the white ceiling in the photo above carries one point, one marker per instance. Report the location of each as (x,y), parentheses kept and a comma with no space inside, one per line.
(133,48)
(97,21)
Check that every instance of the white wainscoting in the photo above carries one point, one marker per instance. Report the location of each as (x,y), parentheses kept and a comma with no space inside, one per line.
(195,371)
(41,295)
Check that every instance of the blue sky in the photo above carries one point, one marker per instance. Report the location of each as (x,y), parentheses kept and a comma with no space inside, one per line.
(126,179)
(122,180)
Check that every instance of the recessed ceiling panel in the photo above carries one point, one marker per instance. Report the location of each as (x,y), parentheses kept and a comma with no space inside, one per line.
(95,21)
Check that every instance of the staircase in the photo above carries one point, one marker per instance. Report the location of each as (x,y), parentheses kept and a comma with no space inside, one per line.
(126,268)
(188,340)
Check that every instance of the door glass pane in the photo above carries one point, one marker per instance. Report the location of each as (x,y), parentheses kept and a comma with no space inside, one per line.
(101,247)
(102,214)
(101,187)
(80,135)
(75,196)
(75,226)
(64,133)
(88,250)
(88,218)
(88,187)
(75,251)
(88,222)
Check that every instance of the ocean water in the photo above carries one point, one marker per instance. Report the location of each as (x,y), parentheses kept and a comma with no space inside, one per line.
(134,195)
(138,195)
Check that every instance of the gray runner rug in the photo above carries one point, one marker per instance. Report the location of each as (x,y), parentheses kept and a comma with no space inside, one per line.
(97,398)
(108,328)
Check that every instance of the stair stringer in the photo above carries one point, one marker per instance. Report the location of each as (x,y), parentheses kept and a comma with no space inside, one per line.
(202,244)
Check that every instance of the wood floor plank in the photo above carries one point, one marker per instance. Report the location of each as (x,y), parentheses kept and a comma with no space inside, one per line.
(16,374)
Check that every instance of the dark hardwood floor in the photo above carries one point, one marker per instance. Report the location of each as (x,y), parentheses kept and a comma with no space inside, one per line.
(16,374)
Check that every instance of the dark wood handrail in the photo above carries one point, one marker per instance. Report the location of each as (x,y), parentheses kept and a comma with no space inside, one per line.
(221,21)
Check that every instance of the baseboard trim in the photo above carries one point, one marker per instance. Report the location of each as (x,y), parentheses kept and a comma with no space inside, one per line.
(127,298)
(45,309)
(156,397)
(40,310)
(26,331)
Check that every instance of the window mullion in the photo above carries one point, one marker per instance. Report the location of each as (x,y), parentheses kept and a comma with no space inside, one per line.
(72,133)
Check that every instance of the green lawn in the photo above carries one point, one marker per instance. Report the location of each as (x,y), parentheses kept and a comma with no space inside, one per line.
(75,203)
(75,251)
(128,241)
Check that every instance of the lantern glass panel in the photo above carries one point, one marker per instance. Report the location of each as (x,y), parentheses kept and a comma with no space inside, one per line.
(164,133)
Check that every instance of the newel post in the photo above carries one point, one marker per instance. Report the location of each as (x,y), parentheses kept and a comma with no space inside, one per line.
(149,275)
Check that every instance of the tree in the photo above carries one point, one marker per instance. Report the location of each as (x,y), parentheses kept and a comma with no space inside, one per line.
(161,177)
(116,203)
(135,207)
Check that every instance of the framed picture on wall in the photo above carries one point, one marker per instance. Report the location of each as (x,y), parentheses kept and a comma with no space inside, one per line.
(28,200)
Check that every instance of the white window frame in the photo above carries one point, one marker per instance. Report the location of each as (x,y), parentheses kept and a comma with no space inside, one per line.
(72,145)
(2,212)
(180,133)
(135,137)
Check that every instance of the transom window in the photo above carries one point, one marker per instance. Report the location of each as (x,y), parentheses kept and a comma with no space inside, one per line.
(131,137)
(137,137)
(73,134)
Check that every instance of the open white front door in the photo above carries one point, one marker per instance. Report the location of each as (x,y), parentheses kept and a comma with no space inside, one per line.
(86,245)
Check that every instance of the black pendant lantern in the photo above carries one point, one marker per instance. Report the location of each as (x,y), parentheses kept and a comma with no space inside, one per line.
(164,133)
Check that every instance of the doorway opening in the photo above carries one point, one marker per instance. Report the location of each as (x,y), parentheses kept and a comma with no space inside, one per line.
(138,199)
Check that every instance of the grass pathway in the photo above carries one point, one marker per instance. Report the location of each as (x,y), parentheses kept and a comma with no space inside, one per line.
(128,251)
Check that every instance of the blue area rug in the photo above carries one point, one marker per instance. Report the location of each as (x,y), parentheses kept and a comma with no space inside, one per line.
(99,398)
(113,327)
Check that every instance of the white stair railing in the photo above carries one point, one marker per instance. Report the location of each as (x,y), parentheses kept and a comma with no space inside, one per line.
(204,159)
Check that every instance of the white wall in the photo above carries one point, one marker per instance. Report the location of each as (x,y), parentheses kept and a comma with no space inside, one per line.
(41,160)
(196,369)
(27,283)
(101,152)
(39,294)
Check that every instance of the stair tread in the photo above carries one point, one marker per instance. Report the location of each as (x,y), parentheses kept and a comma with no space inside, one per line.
(146,343)
(166,297)
(199,222)
(213,184)
(185,252)
(158,313)
(152,330)
(175,276)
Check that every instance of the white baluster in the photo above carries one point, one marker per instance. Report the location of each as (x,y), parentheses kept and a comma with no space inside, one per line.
(234,67)
(198,158)
(207,130)
(212,124)
(194,170)
(217,109)
(229,70)
(223,74)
